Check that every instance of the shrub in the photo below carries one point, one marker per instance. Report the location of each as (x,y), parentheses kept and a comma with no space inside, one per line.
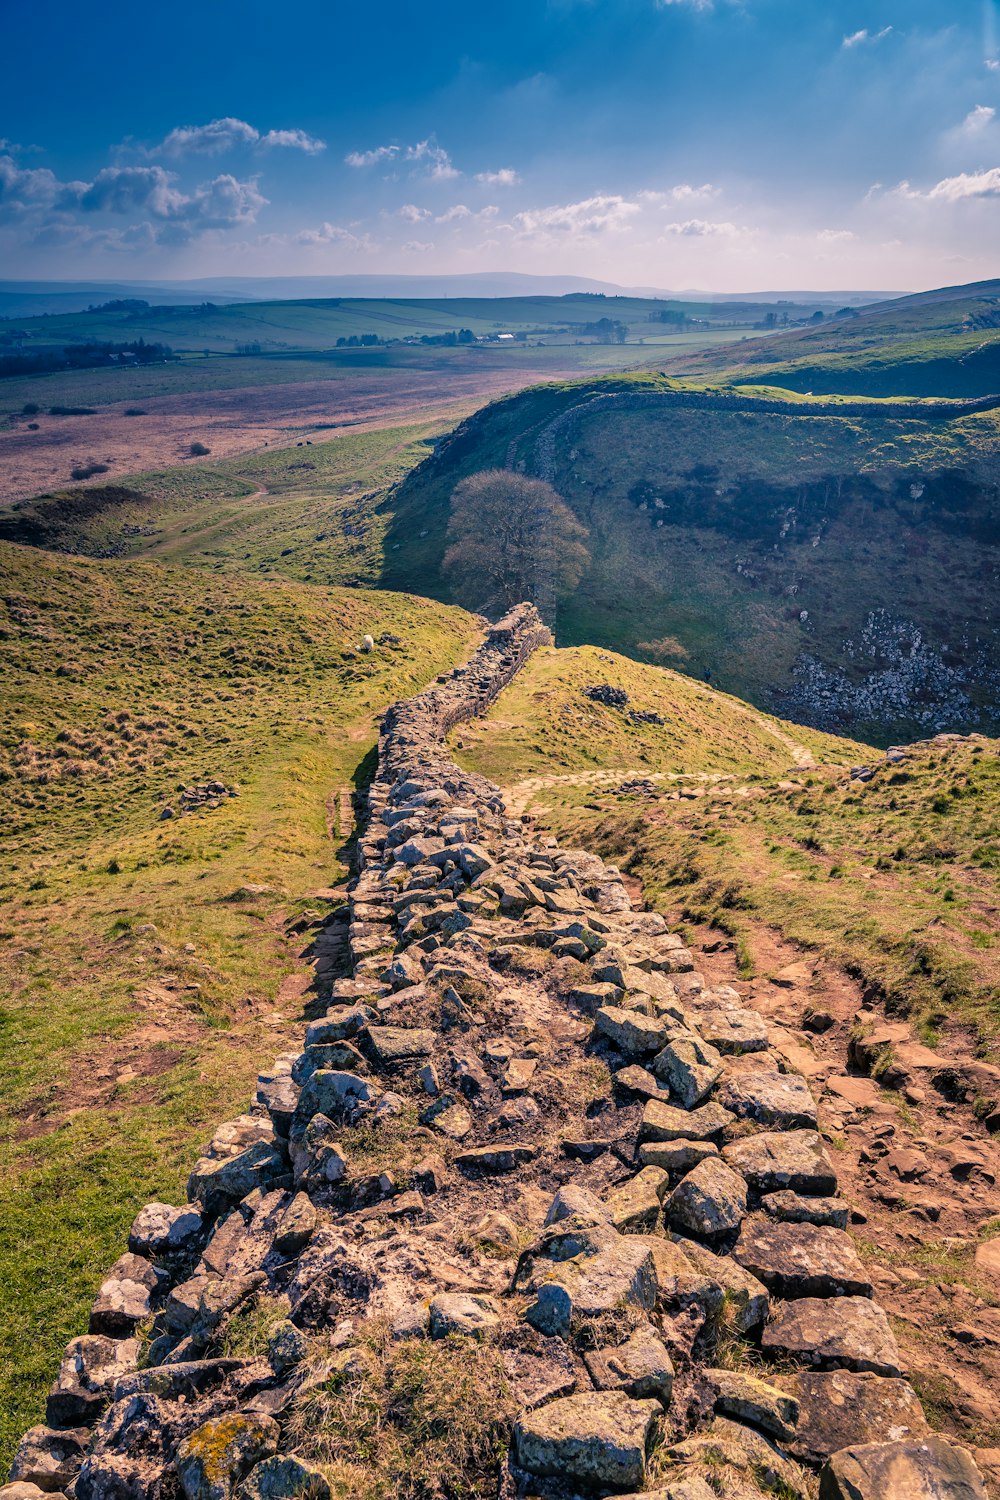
(198,450)
(30,409)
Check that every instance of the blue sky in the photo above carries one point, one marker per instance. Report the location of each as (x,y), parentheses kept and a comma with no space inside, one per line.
(719,144)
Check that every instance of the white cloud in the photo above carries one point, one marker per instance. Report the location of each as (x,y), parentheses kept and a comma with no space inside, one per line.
(503,177)
(977,119)
(589,216)
(333,234)
(456,212)
(956,189)
(228,133)
(371,158)
(412,214)
(691,4)
(864,37)
(993,63)
(434,157)
(418,247)
(704,229)
(836,236)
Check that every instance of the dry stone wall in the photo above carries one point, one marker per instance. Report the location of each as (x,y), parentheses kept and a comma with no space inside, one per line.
(525,1124)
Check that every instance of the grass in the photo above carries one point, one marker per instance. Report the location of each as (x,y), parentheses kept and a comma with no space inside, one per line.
(417,1420)
(912,912)
(744,543)
(141,998)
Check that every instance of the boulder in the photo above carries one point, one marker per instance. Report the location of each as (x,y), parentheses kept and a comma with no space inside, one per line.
(754,1402)
(295,1225)
(213,1459)
(689,1067)
(834,1332)
(802,1260)
(770,1098)
(285,1477)
(636,1204)
(747,1300)
(838,1409)
(664,1122)
(775,1160)
(159,1229)
(639,1367)
(462,1313)
(317,1156)
(630,1031)
(49,1459)
(125,1297)
(599,1270)
(709,1202)
(912,1469)
(339,1024)
(338,1095)
(795,1209)
(87,1373)
(219,1182)
(676,1156)
(596,1438)
(733,1031)
(493,1159)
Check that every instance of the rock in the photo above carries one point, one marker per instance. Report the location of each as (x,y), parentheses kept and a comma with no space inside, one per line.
(212,1460)
(630,1031)
(572,1202)
(496,1230)
(692,1488)
(492,1159)
(913,1469)
(462,1313)
(552,1310)
(219,1182)
(338,1095)
(537,1377)
(49,1459)
(219,1298)
(636,1080)
(709,1202)
(287,1346)
(838,1408)
(836,1332)
(732,1032)
(802,1260)
(87,1373)
(779,1099)
(639,1367)
(749,1400)
(519,1074)
(595,1438)
(296,1225)
(747,1300)
(125,1296)
(798,1210)
(676,1156)
(20,1490)
(690,1067)
(756,1466)
(448,1116)
(774,1160)
(285,1478)
(988,1258)
(317,1157)
(599,1269)
(159,1229)
(340,1024)
(663,1122)
(395,1044)
(636,1204)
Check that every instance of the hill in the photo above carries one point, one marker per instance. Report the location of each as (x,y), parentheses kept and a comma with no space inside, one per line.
(750,826)
(944,342)
(831,560)
(149,962)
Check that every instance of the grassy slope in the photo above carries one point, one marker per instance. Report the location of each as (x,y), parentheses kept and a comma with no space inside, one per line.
(945,343)
(126,1042)
(716,529)
(896,879)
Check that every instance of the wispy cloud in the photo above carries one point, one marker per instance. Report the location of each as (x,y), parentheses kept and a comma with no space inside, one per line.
(705,229)
(334,234)
(864,37)
(955,189)
(227,134)
(503,177)
(595,215)
(978,119)
(427,153)
(836,236)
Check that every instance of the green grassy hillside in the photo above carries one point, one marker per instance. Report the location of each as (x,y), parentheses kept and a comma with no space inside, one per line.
(150,965)
(941,343)
(835,562)
(748,822)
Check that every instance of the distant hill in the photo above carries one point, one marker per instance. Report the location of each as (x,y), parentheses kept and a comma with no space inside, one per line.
(944,342)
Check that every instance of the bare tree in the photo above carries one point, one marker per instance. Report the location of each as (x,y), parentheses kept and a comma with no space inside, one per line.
(512,538)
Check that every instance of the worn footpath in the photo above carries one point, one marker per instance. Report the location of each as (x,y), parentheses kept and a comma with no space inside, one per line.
(526,1128)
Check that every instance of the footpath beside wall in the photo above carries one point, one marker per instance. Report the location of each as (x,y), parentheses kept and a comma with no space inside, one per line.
(526,1138)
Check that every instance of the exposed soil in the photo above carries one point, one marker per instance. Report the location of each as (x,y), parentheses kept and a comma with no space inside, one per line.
(230,422)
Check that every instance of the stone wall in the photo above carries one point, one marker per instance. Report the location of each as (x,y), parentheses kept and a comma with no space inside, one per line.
(526,1122)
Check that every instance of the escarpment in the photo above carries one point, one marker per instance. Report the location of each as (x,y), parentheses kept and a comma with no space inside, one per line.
(534,1211)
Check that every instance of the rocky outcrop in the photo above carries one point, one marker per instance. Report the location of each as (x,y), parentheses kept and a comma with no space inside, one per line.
(529,1141)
